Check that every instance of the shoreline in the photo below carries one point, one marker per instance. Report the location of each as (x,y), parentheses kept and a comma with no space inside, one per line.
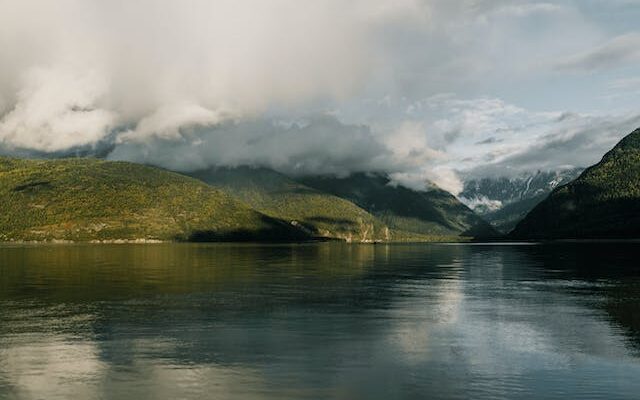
(158,241)
(445,241)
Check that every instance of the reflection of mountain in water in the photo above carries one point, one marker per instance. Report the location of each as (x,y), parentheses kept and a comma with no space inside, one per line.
(329,319)
(607,271)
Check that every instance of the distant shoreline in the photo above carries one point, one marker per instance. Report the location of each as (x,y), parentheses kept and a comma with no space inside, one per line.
(158,241)
(444,241)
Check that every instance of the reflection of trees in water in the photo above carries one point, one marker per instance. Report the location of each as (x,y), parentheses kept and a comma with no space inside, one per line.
(204,278)
(86,273)
(601,275)
(615,267)
(210,306)
(262,310)
(92,273)
(623,305)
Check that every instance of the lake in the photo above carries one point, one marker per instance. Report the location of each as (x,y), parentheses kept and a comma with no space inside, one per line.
(320,321)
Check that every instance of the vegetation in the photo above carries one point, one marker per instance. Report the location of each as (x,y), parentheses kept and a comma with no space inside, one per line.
(84,199)
(604,202)
(433,213)
(88,199)
(278,196)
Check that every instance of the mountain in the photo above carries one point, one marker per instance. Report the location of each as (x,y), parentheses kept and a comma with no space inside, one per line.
(274,194)
(83,199)
(604,202)
(88,199)
(432,212)
(504,202)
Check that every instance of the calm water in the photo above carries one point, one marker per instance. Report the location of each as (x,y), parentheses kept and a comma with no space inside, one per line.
(320,321)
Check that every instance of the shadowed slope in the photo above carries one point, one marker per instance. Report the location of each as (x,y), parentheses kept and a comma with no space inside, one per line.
(429,212)
(279,196)
(604,202)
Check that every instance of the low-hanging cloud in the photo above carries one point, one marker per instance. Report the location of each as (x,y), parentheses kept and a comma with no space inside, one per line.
(74,69)
(191,85)
(320,145)
(328,86)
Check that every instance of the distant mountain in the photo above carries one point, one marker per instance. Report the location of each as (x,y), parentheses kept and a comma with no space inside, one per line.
(504,202)
(274,194)
(88,199)
(429,212)
(83,199)
(604,202)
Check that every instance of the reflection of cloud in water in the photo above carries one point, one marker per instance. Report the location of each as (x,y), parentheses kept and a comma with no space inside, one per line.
(154,378)
(493,318)
(432,305)
(36,367)
(332,321)
(41,368)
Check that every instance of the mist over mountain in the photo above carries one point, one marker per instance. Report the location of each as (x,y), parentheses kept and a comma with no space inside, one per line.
(603,202)
(409,88)
(504,201)
(85,199)
(429,211)
(220,83)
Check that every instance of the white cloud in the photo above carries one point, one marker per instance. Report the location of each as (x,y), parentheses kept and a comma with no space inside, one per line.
(57,109)
(417,161)
(202,83)
(614,52)
(169,120)
(487,136)
(146,56)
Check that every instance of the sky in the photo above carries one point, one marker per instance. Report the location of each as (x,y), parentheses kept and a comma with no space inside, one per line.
(435,90)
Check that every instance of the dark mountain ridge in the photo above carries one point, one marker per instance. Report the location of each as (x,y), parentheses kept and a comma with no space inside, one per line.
(429,212)
(602,203)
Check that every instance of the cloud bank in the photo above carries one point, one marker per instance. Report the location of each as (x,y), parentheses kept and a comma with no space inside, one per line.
(188,85)
(420,89)
(75,69)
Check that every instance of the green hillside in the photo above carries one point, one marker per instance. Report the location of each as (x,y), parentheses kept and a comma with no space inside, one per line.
(604,202)
(88,199)
(274,194)
(431,212)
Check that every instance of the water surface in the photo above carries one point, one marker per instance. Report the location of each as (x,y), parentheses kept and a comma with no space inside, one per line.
(320,321)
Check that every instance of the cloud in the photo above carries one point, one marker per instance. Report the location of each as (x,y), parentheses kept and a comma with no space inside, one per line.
(317,145)
(208,83)
(191,86)
(579,141)
(613,53)
(225,82)
(74,69)
(495,138)
(417,162)
(311,146)
(56,110)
